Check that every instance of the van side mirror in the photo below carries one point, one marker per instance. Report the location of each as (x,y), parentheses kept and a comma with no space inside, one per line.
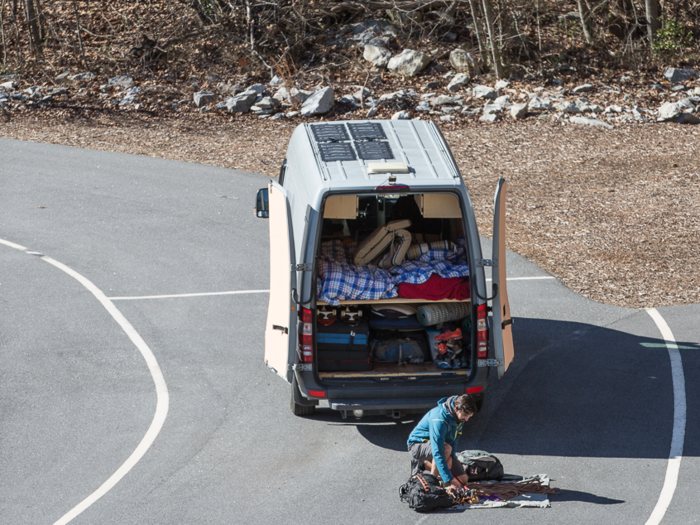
(262,207)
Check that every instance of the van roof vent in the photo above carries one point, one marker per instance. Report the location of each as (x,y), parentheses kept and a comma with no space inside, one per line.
(367,131)
(333,151)
(329,132)
(375,150)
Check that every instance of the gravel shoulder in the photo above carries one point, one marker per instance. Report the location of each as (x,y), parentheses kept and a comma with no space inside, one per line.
(614,214)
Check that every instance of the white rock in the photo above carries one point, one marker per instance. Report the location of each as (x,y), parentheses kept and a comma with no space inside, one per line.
(674,76)
(502,101)
(241,103)
(568,106)
(485,92)
(447,118)
(613,109)
(668,111)
(319,103)
(372,112)
(540,104)
(80,77)
(583,89)
(489,117)
(276,81)
(401,115)
(458,82)
(202,98)
(462,61)
(267,103)
(377,56)
(492,108)
(123,81)
(443,100)
(361,93)
(291,114)
(298,96)
(518,111)
(409,63)
(258,88)
(590,122)
(502,84)
(595,108)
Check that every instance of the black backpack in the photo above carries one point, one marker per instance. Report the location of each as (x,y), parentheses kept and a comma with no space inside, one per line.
(480,465)
(423,493)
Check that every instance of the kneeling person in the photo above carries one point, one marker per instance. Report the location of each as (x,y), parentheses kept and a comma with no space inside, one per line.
(432,443)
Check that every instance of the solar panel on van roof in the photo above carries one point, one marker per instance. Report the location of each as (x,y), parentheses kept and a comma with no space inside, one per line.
(375,150)
(332,151)
(367,131)
(329,132)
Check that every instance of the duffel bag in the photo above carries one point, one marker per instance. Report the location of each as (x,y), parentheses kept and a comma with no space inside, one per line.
(423,493)
(406,350)
(480,465)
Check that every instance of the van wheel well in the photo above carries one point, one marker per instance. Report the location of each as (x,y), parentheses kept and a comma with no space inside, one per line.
(299,405)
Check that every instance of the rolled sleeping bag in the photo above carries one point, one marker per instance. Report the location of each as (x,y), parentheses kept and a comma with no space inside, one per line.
(397,250)
(418,249)
(432,314)
(378,241)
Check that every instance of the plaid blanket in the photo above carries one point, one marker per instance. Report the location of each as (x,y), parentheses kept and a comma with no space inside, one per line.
(340,280)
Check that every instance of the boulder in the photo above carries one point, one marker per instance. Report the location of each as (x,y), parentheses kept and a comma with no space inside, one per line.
(485,92)
(298,96)
(668,111)
(401,115)
(458,82)
(60,79)
(518,111)
(489,117)
(241,103)
(82,77)
(319,103)
(202,98)
(372,112)
(585,88)
(267,103)
(258,88)
(276,81)
(443,100)
(409,63)
(121,81)
(378,56)
(590,122)
(7,86)
(568,106)
(502,84)
(675,76)
(613,109)
(540,104)
(461,61)
(423,106)
(447,118)
(502,101)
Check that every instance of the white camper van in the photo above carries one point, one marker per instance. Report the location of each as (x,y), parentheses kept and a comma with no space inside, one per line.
(378,298)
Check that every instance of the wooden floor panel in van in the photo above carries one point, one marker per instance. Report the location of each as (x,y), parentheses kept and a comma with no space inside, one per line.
(395,370)
(394,300)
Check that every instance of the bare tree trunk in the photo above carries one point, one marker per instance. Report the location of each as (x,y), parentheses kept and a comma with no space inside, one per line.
(477,29)
(492,39)
(2,27)
(652,9)
(77,28)
(14,21)
(33,30)
(585,16)
(40,19)
(539,32)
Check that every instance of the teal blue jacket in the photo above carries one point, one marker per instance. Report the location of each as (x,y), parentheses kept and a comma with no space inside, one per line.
(439,427)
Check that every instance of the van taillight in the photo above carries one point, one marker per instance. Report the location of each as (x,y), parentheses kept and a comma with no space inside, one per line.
(306,336)
(482,332)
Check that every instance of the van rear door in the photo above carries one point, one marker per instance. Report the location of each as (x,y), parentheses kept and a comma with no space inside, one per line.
(502,321)
(281,313)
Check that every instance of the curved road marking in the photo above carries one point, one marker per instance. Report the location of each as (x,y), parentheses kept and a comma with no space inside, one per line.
(162,396)
(679,416)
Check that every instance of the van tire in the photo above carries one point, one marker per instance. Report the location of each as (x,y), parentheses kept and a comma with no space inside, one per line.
(299,405)
(479,400)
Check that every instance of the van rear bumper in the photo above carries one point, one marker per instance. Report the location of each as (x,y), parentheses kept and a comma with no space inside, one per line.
(383,397)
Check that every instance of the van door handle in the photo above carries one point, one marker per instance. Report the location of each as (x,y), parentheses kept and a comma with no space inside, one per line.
(280,328)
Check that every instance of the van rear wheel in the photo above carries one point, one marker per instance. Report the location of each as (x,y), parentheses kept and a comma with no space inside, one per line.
(299,405)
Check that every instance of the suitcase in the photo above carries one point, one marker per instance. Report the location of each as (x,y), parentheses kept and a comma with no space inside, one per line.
(342,347)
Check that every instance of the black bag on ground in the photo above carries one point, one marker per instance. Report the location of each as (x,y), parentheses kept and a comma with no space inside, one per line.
(423,493)
(480,465)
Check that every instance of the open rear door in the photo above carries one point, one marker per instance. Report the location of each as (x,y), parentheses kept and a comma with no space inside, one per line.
(502,321)
(279,312)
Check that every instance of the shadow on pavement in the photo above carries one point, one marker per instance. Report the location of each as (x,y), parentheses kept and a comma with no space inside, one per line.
(575,390)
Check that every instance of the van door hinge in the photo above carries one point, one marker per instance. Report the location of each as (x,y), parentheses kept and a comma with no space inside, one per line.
(490,362)
(305,267)
(302,367)
(487,262)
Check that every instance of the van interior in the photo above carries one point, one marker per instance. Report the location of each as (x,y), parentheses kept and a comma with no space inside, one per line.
(393,289)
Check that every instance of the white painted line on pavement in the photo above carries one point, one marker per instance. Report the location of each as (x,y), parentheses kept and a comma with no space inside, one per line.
(12,245)
(204,294)
(162,396)
(679,417)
